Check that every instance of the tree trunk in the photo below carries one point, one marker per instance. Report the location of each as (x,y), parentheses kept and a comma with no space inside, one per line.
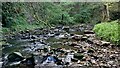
(105,13)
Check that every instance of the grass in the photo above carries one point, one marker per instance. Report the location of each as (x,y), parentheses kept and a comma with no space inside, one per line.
(108,31)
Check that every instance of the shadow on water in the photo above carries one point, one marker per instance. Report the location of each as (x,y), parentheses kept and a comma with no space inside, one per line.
(14,45)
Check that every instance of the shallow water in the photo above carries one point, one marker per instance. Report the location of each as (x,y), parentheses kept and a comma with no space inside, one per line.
(55,39)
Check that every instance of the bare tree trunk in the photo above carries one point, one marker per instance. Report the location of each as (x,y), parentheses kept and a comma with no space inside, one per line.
(105,13)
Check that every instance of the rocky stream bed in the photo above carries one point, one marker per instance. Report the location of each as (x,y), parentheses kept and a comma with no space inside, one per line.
(79,40)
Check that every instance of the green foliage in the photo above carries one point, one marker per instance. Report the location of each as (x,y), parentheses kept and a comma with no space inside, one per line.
(85,12)
(5,30)
(7,14)
(47,13)
(108,31)
(57,15)
(15,17)
(21,16)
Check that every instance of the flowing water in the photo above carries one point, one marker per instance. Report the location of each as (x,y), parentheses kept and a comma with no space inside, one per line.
(57,37)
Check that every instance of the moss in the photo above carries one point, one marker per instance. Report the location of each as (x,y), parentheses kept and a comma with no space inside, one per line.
(78,56)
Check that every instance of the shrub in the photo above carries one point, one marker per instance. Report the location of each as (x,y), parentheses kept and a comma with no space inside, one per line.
(108,31)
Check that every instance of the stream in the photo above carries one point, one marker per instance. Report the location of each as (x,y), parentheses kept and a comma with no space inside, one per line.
(79,38)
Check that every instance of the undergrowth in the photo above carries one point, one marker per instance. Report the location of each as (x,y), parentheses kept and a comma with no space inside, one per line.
(108,31)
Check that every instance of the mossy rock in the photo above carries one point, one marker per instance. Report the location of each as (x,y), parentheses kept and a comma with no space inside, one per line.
(78,56)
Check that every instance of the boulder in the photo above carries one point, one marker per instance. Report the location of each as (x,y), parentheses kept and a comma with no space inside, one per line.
(29,61)
(15,56)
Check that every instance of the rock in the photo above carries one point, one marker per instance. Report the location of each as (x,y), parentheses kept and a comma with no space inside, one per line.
(55,30)
(93,61)
(112,56)
(71,30)
(101,55)
(90,35)
(38,59)
(90,51)
(116,52)
(86,63)
(1,63)
(78,56)
(29,61)
(27,50)
(72,34)
(66,28)
(77,37)
(104,50)
(88,32)
(104,43)
(73,44)
(69,57)
(74,60)
(25,37)
(76,46)
(27,31)
(51,35)
(97,42)
(15,63)
(83,38)
(110,62)
(52,28)
(81,51)
(33,37)
(76,65)
(36,53)
(90,40)
(60,36)
(15,56)
(95,57)
(60,50)
(59,27)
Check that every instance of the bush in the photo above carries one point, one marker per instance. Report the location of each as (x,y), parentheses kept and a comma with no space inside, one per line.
(108,31)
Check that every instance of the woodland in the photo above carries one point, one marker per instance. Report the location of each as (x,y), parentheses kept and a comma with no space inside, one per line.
(89,31)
